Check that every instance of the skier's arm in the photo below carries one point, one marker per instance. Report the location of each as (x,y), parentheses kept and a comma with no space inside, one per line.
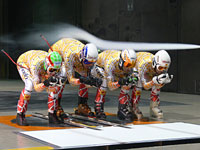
(92,81)
(148,85)
(50,82)
(74,81)
(143,73)
(112,85)
(38,85)
(70,71)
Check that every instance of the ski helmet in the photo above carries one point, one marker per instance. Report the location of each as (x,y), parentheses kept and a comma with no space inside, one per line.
(127,58)
(89,54)
(161,61)
(53,62)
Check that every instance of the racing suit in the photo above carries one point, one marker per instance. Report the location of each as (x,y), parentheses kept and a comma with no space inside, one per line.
(31,70)
(146,73)
(107,68)
(70,50)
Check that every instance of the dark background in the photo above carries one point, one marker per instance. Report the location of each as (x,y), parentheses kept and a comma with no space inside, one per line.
(174,21)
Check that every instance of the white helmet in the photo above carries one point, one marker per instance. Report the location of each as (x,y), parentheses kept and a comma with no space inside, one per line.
(89,54)
(161,61)
(127,58)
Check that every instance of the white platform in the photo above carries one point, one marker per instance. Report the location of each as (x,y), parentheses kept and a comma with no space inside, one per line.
(79,137)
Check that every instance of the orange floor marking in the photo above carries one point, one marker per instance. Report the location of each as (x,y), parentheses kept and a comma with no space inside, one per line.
(7,121)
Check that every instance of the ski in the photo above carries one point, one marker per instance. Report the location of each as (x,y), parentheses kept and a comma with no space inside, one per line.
(66,121)
(98,121)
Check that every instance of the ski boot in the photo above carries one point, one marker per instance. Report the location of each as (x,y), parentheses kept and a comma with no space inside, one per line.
(124,112)
(53,119)
(83,108)
(155,110)
(21,120)
(137,112)
(99,110)
(61,114)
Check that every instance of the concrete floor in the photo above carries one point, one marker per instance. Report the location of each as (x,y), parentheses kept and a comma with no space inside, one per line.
(176,108)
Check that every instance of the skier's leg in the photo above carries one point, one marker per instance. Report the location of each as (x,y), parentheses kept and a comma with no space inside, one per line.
(24,96)
(99,102)
(83,108)
(53,106)
(60,111)
(124,106)
(136,94)
(155,110)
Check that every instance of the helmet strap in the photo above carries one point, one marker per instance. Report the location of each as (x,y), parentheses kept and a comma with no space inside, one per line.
(121,62)
(154,63)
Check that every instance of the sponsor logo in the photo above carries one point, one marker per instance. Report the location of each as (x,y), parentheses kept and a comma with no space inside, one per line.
(165,62)
(57,63)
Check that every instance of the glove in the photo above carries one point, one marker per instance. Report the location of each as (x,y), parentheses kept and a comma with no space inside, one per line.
(162,79)
(61,81)
(91,81)
(96,81)
(122,81)
(52,81)
(168,78)
(128,80)
(132,80)
(85,80)
(159,79)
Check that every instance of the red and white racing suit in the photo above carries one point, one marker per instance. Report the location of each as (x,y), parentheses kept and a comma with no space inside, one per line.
(107,68)
(70,50)
(31,70)
(146,73)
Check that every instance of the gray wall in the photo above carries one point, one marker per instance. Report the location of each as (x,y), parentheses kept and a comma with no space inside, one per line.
(152,21)
(189,61)
(135,20)
(120,20)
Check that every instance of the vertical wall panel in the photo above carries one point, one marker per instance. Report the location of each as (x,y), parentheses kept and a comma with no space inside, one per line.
(189,61)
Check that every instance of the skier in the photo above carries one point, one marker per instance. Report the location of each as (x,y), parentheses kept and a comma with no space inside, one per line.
(78,58)
(38,69)
(116,69)
(153,75)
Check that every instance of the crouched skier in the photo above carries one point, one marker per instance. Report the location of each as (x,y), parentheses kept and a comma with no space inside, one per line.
(38,69)
(78,58)
(116,70)
(152,70)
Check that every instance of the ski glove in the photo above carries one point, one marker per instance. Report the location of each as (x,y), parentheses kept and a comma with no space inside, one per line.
(85,80)
(128,80)
(162,78)
(168,78)
(61,81)
(92,81)
(52,81)
(122,81)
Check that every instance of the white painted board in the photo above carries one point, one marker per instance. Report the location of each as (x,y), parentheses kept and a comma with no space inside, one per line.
(82,137)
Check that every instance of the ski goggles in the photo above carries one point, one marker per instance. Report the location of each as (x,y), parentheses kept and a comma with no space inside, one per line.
(129,64)
(161,68)
(53,70)
(87,62)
